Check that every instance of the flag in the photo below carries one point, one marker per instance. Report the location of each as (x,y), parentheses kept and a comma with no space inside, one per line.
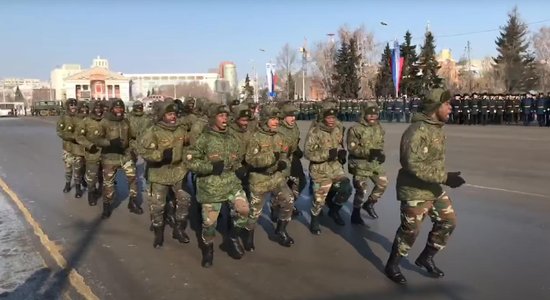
(396,66)
(271,79)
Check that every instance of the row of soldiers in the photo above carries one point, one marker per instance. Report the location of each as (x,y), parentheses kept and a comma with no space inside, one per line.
(236,160)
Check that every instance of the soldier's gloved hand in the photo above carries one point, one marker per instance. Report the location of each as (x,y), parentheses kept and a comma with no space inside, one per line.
(72,140)
(454,180)
(342,154)
(242,173)
(277,155)
(116,143)
(217,167)
(93,149)
(375,154)
(332,154)
(298,153)
(167,156)
(281,165)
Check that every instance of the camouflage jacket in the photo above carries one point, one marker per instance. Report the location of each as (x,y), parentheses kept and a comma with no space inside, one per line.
(188,120)
(139,122)
(110,129)
(196,129)
(260,157)
(86,131)
(291,140)
(319,141)
(66,126)
(213,146)
(422,157)
(243,137)
(151,146)
(360,140)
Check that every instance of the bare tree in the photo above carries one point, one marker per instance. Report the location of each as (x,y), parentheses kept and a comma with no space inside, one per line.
(541,44)
(286,63)
(324,58)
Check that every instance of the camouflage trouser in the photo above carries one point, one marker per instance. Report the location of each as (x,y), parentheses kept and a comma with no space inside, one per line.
(413,213)
(94,174)
(281,197)
(109,174)
(156,193)
(294,186)
(74,166)
(210,212)
(342,190)
(361,186)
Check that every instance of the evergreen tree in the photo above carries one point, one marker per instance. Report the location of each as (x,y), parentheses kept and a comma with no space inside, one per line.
(248,89)
(384,82)
(410,81)
(346,79)
(428,65)
(514,63)
(18,95)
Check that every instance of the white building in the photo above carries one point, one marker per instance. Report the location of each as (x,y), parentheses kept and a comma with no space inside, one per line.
(8,87)
(143,83)
(58,76)
(98,82)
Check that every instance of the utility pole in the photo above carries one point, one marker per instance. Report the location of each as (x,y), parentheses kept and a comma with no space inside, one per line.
(304,66)
(469,67)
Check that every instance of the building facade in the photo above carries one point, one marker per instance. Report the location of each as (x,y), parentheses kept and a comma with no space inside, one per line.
(142,84)
(58,76)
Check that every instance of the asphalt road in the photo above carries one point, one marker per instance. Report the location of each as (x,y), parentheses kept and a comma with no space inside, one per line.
(498,251)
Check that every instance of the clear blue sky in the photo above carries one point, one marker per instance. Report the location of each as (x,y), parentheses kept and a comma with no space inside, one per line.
(168,36)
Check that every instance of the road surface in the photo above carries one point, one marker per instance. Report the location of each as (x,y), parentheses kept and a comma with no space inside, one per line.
(498,251)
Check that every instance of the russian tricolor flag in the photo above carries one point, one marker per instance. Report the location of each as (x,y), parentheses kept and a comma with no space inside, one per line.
(396,68)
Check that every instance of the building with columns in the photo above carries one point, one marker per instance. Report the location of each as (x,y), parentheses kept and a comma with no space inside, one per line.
(97,83)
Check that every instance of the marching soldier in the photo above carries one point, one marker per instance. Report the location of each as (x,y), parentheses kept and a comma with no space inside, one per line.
(365,142)
(422,172)
(474,109)
(492,109)
(483,105)
(84,135)
(398,109)
(526,104)
(114,136)
(541,110)
(455,104)
(407,108)
(508,107)
(326,167)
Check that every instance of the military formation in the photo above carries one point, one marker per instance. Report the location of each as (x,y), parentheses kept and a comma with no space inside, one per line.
(233,158)
(469,109)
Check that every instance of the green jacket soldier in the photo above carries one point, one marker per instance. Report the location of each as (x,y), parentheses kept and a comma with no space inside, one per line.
(215,159)
(365,142)
(162,146)
(422,157)
(290,133)
(85,132)
(323,148)
(66,126)
(239,126)
(114,137)
(268,162)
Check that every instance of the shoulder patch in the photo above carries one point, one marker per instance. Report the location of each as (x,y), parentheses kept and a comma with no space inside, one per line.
(425,150)
(189,157)
(352,144)
(256,151)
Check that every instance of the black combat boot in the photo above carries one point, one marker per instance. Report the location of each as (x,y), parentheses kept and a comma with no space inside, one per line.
(92,197)
(334,214)
(314,226)
(134,207)
(392,267)
(426,260)
(282,236)
(159,236)
(67,187)
(234,247)
(207,255)
(369,207)
(78,191)
(107,210)
(248,240)
(274,214)
(356,216)
(179,232)
(170,213)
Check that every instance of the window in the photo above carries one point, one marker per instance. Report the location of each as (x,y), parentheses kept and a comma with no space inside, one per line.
(146,78)
(164,78)
(85,87)
(173,77)
(199,78)
(155,78)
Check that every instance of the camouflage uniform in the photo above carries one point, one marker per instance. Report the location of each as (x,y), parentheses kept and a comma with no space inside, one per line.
(365,143)
(326,170)
(84,135)
(422,157)
(218,151)
(291,139)
(66,126)
(268,164)
(162,146)
(114,137)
